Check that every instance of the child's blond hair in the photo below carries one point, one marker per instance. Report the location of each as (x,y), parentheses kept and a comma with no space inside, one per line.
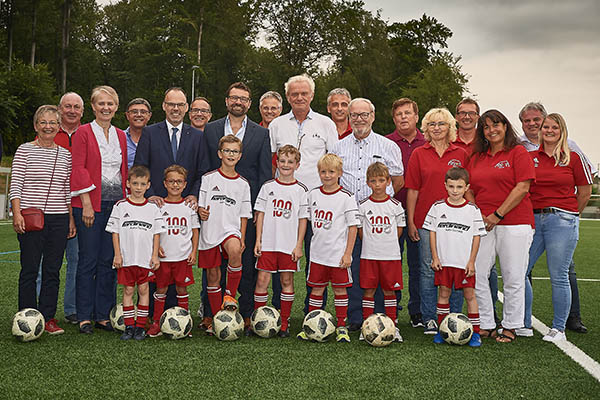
(330,160)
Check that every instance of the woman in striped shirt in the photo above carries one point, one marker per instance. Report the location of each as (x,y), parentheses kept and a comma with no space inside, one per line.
(40,179)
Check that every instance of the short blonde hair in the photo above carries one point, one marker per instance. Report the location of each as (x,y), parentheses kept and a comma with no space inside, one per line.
(289,150)
(377,169)
(104,89)
(46,108)
(439,114)
(230,139)
(330,160)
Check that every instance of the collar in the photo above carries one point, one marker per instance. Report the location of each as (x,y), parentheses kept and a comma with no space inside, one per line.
(62,129)
(525,139)
(365,140)
(228,123)
(310,115)
(419,136)
(170,127)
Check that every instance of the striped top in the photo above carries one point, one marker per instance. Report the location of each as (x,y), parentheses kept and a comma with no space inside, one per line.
(31,174)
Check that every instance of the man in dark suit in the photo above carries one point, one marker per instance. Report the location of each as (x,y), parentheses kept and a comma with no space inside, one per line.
(255,166)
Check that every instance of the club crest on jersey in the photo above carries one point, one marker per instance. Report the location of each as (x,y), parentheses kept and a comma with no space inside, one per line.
(454,163)
(502,164)
(536,162)
(222,199)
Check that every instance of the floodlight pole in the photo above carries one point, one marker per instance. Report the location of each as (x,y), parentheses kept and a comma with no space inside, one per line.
(194,68)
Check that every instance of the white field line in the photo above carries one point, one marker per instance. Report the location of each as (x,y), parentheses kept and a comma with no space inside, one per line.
(547,278)
(574,352)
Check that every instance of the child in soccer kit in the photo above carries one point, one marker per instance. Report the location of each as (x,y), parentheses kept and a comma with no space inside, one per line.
(382,220)
(178,245)
(281,218)
(333,214)
(455,228)
(224,207)
(135,225)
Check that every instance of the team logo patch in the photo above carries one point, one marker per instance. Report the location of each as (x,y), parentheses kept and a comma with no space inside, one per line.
(464,282)
(216,189)
(187,279)
(126,215)
(454,163)
(536,162)
(443,216)
(271,194)
(502,164)
(396,285)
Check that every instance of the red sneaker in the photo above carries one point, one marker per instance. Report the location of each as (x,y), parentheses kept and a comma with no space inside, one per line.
(52,328)
(154,330)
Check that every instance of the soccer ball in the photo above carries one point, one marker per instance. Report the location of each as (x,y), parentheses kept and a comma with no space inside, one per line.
(176,323)
(318,325)
(116,317)
(28,324)
(378,330)
(265,321)
(456,329)
(228,325)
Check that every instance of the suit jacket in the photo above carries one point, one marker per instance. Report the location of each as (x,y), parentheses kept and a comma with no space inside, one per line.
(154,152)
(255,164)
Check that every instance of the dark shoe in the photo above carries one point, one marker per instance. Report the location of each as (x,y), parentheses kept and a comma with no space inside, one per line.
(71,319)
(86,328)
(416,321)
(574,324)
(105,327)
(139,333)
(353,327)
(128,334)
(248,332)
(284,334)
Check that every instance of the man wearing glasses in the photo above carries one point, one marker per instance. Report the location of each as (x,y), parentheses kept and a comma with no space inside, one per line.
(200,113)
(138,114)
(467,115)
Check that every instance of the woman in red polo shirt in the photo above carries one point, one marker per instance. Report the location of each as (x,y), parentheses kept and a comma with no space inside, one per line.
(501,173)
(424,180)
(556,207)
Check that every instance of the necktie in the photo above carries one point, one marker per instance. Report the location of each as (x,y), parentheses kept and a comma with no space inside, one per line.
(174,143)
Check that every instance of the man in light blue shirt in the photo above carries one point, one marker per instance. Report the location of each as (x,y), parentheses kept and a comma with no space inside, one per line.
(138,114)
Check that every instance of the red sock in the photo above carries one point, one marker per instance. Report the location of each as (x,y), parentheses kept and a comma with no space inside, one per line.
(260,299)
(129,315)
(142,316)
(234,276)
(368,306)
(159,306)
(286,309)
(183,300)
(315,302)
(341,309)
(474,318)
(214,299)
(442,311)
(391,307)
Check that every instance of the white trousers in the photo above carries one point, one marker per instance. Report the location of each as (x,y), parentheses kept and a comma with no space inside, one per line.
(511,244)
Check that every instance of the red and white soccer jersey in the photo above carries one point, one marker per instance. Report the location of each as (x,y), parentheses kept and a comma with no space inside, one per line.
(284,204)
(330,214)
(379,220)
(455,227)
(136,225)
(229,200)
(179,219)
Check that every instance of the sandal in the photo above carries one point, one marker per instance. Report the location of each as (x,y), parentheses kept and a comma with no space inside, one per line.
(488,333)
(507,336)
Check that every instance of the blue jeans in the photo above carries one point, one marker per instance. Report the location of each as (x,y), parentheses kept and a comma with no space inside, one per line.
(557,234)
(412,260)
(428,290)
(95,279)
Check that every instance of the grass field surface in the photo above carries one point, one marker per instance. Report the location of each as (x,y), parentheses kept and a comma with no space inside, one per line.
(101,366)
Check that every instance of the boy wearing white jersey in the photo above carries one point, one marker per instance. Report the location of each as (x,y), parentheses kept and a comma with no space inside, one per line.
(135,225)
(224,208)
(177,245)
(281,217)
(334,218)
(455,228)
(382,219)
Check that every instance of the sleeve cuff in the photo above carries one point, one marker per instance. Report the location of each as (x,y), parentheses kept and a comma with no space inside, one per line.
(82,191)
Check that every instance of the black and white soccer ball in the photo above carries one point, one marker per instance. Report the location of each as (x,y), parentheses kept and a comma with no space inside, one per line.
(176,323)
(265,321)
(28,324)
(116,317)
(318,325)
(456,329)
(228,325)
(378,330)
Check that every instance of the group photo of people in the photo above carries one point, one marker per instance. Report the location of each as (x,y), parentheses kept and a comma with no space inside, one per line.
(439,200)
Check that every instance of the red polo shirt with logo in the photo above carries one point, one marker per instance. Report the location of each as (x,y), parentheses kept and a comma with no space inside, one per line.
(467,147)
(406,148)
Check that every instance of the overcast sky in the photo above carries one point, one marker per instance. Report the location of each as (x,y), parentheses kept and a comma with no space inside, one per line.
(521,51)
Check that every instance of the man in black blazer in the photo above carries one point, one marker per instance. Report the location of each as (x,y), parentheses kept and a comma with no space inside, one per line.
(255,166)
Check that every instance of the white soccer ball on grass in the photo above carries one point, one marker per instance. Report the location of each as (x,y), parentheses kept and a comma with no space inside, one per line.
(378,330)
(228,325)
(456,329)
(265,321)
(176,323)
(28,324)
(318,325)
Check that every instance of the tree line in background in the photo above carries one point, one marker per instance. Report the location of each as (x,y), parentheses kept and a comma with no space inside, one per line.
(142,47)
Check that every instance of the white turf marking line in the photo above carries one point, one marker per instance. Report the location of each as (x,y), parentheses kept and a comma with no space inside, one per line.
(574,352)
(547,278)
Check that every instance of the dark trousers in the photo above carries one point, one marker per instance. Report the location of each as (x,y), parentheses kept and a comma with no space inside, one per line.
(412,258)
(96,279)
(170,301)
(575,305)
(50,243)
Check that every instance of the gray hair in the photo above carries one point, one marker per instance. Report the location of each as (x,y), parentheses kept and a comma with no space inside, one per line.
(356,100)
(300,78)
(534,105)
(338,91)
(271,94)
(69,94)
(139,100)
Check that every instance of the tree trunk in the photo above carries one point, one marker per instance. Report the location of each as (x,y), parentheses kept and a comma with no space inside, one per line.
(65,43)
(10,33)
(33,23)
(200,34)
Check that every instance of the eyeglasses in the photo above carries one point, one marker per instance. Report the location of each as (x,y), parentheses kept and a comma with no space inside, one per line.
(241,99)
(465,113)
(174,181)
(363,115)
(48,123)
(173,105)
(440,124)
(138,112)
(199,111)
(230,152)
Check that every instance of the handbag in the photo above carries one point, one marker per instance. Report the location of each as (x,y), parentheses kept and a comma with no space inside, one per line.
(34,217)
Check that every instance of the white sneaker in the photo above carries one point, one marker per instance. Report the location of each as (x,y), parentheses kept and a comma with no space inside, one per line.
(431,328)
(397,336)
(524,332)
(361,337)
(554,335)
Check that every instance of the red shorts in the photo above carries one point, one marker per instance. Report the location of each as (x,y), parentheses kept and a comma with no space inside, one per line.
(320,276)
(212,258)
(457,276)
(178,272)
(387,273)
(132,275)
(276,261)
